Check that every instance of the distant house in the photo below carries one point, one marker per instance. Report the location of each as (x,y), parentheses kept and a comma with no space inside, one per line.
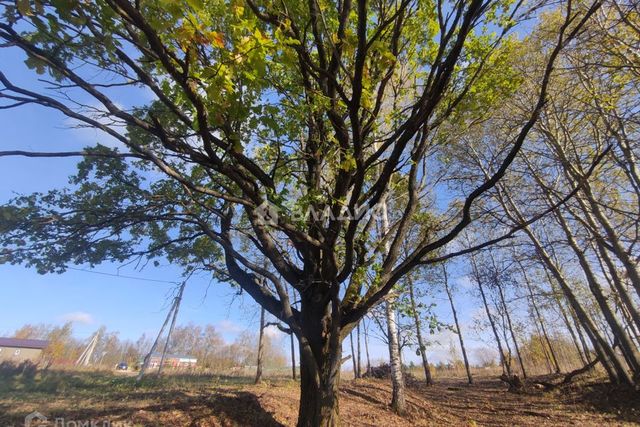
(19,350)
(173,361)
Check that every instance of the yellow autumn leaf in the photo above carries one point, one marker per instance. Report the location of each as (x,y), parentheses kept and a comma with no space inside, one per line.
(216,38)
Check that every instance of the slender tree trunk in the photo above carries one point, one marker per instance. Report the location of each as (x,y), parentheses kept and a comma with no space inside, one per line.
(592,209)
(543,345)
(628,348)
(506,366)
(398,400)
(260,347)
(397,380)
(293,347)
(511,331)
(583,352)
(616,281)
(353,357)
(358,348)
(366,346)
(504,330)
(539,319)
(421,346)
(293,357)
(581,337)
(607,355)
(458,330)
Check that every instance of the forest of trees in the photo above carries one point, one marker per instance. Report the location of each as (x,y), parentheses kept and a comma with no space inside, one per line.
(205,344)
(343,162)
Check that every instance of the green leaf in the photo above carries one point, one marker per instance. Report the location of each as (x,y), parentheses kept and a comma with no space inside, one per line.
(196,5)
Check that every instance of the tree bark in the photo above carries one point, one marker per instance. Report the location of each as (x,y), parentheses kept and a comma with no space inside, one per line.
(319,389)
(397,380)
(320,337)
(583,352)
(591,209)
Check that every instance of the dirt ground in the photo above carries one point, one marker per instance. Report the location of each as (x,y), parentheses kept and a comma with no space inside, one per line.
(225,401)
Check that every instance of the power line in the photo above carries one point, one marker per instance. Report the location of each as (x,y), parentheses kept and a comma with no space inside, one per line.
(123,276)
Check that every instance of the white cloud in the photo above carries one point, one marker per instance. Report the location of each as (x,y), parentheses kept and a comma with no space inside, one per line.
(272,331)
(228,327)
(77,317)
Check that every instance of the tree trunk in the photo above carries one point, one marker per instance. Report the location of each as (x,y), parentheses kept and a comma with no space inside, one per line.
(293,357)
(458,330)
(366,346)
(539,319)
(583,352)
(511,331)
(421,346)
(320,337)
(260,347)
(353,357)
(293,346)
(592,209)
(397,380)
(319,388)
(628,348)
(616,281)
(607,355)
(506,365)
(543,345)
(358,351)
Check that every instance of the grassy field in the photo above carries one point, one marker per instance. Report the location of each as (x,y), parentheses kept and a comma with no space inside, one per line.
(211,400)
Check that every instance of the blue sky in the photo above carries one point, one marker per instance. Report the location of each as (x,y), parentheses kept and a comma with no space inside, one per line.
(130,306)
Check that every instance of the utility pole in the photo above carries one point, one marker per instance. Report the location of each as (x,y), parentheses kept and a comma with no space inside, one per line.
(85,357)
(174,308)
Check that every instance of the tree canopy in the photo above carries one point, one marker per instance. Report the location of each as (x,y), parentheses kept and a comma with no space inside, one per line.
(338,119)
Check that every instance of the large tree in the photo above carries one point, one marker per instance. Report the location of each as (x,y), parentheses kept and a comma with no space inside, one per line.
(274,132)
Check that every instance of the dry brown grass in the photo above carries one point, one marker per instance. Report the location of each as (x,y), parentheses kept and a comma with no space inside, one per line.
(208,400)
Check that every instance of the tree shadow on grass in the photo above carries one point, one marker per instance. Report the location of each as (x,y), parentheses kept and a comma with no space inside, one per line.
(623,402)
(175,408)
(363,396)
